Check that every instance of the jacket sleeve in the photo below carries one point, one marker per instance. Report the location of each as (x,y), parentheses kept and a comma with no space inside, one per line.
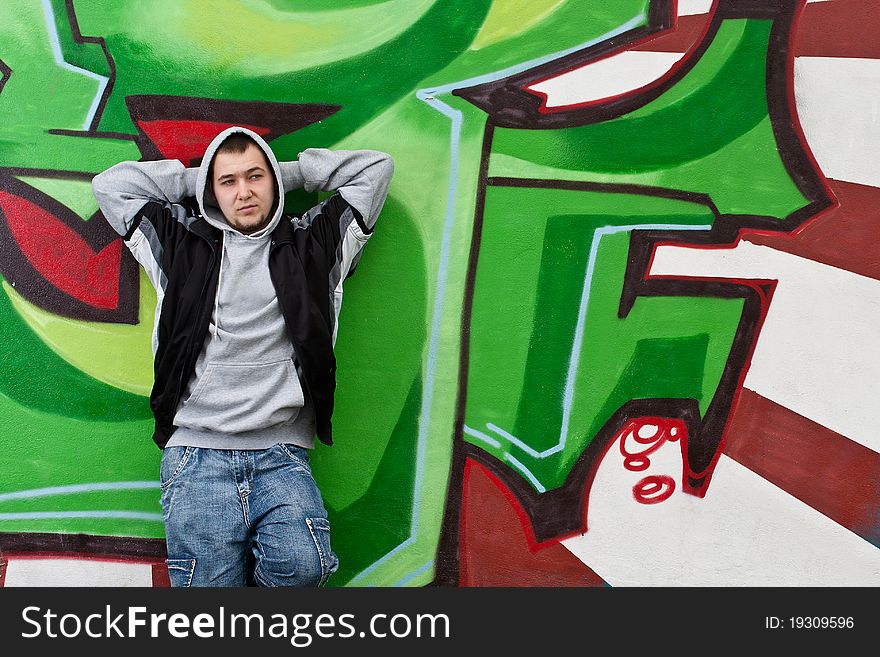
(360,177)
(141,201)
(123,190)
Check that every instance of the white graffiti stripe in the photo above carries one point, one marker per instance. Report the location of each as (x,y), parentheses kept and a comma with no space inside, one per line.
(621,73)
(528,474)
(482,437)
(528,449)
(43,515)
(74,489)
(424,569)
(745,532)
(694,7)
(89,572)
(837,103)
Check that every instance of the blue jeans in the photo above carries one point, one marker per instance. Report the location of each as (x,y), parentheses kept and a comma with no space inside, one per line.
(244,517)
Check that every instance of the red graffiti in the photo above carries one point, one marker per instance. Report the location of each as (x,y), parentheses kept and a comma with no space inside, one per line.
(640,438)
(654,489)
(61,256)
(187,140)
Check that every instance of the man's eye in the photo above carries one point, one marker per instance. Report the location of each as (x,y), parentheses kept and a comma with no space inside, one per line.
(226,183)
(256,176)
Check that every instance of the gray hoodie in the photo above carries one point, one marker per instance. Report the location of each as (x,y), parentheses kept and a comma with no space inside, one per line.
(245,392)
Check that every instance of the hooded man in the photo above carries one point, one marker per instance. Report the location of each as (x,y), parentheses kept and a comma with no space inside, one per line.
(247,306)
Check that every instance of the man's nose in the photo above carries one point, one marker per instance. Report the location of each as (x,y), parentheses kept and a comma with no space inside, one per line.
(244,189)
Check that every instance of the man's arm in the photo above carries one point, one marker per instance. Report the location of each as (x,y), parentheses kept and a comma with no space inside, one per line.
(123,190)
(361,178)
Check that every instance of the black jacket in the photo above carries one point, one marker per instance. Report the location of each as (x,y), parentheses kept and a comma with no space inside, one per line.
(299,265)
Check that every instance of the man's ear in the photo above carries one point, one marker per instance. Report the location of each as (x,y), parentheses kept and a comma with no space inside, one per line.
(210,198)
(279,191)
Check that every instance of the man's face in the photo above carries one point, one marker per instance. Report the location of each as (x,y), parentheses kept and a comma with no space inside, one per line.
(244,188)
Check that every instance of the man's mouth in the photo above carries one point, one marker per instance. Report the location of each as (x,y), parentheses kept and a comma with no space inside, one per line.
(246,208)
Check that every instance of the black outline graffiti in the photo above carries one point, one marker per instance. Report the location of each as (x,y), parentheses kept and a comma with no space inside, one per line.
(5,74)
(109,546)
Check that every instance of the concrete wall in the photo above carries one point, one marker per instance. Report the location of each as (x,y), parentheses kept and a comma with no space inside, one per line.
(617,325)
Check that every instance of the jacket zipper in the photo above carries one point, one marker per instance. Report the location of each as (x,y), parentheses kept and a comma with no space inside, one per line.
(304,380)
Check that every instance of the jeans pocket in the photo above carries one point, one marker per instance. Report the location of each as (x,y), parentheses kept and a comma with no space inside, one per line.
(174,460)
(297,454)
(320,530)
(180,571)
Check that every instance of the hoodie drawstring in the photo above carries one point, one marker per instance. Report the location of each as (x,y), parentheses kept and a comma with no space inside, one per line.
(217,295)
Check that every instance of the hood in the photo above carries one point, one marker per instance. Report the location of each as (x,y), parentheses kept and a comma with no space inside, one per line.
(205,196)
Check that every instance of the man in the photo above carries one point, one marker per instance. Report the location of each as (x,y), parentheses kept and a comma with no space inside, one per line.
(248,303)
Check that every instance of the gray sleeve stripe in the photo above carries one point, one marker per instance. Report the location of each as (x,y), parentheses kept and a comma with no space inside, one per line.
(347,254)
(157,251)
(344,222)
(150,258)
(336,273)
(182,215)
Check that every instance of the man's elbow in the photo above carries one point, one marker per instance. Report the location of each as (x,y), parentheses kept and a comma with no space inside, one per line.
(106,191)
(106,184)
(385,165)
(100,186)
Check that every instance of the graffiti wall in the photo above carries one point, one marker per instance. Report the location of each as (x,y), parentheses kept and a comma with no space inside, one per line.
(621,304)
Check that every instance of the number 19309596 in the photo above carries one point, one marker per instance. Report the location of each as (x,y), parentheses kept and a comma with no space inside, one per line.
(809,622)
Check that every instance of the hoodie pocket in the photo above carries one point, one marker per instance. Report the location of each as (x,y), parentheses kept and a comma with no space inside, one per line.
(237,397)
